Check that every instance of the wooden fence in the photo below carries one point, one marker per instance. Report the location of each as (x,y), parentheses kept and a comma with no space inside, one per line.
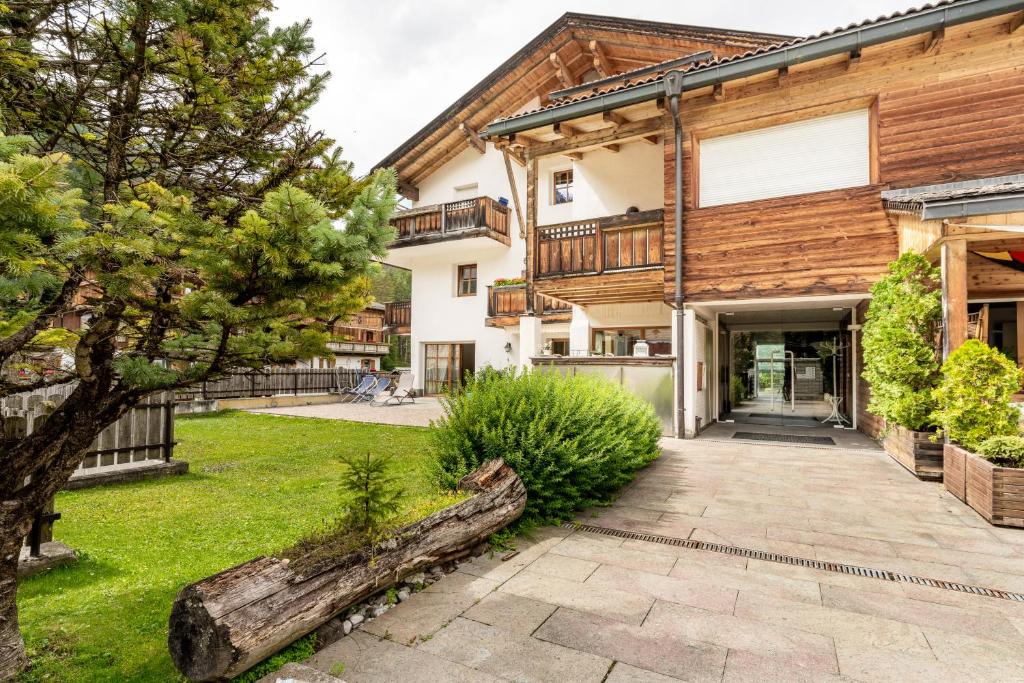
(275,382)
(144,433)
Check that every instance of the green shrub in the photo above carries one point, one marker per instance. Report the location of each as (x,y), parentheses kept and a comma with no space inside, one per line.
(737,390)
(1003,450)
(899,338)
(574,441)
(973,399)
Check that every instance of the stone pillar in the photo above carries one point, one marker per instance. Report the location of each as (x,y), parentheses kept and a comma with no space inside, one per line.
(579,332)
(529,340)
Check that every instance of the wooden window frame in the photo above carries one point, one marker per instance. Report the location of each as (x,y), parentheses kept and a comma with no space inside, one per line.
(554,186)
(459,279)
(699,134)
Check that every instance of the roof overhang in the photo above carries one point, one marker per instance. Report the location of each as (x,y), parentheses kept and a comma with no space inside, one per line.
(965,199)
(848,40)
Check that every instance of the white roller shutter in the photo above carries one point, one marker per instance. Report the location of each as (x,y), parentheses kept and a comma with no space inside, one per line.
(825,153)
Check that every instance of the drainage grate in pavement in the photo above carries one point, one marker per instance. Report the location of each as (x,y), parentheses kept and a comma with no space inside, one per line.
(785,438)
(882,574)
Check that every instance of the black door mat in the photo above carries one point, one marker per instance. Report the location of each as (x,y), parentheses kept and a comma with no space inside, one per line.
(795,419)
(785,438)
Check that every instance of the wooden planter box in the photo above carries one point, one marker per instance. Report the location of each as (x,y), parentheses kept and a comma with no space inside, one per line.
(995,493)
(916,451)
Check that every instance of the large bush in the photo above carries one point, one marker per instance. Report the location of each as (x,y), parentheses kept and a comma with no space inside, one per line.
(1006,451)
(900,332)
(574,441)
(973,399)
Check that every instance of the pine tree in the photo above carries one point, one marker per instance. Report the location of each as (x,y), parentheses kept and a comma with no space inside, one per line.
(373,494)
(161,177)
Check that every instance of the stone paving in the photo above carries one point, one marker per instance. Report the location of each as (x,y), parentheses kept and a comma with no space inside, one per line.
(576,606)
(418,414)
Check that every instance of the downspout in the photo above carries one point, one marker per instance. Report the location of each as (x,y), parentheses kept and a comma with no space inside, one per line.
(673,88)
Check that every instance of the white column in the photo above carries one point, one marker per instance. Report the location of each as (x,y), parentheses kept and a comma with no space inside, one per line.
(529,340)
(677,410)
(579,332)
(690,372)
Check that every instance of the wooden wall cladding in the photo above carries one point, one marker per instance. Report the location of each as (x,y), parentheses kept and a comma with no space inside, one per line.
(941,132)
(835,242)
(986,279)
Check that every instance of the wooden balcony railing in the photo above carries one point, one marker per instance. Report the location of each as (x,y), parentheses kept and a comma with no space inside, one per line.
(511,301)
(438,220)
(598,245)
(398,314)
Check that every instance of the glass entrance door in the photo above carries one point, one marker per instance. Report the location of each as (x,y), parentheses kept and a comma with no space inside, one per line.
(788,373)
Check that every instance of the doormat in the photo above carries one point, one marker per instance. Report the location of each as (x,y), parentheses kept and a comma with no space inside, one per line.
(785,438)
(790,419)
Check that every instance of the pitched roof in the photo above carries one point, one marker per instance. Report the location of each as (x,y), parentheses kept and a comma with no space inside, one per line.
(715,63)
(733,40)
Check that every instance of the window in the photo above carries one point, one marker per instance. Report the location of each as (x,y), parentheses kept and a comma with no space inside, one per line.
(466,285)
(562,187)
(814,155)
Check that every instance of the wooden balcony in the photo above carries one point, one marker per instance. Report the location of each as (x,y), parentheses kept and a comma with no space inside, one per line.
(479,217)
(398,316)
(602,260)
(360,348)
(505,305)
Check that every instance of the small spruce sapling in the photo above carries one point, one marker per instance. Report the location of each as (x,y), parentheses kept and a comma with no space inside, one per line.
(373,494)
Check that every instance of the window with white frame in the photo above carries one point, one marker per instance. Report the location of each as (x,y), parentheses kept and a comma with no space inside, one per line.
(561,186)
(813,155)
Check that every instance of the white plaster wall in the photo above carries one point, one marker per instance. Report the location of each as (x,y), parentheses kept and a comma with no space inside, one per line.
(604,183)
(438,315)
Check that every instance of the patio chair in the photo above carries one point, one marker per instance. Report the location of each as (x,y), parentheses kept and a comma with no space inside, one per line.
(360,390)
(403,390)
(376,390)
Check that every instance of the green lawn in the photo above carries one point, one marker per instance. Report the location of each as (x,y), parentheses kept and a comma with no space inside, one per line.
(257,483)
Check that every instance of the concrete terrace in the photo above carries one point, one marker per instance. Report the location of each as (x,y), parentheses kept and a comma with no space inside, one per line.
(578,606)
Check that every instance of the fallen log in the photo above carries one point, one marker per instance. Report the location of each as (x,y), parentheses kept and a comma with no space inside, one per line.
(226,623)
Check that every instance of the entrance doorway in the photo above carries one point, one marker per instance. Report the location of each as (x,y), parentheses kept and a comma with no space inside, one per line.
(788,368)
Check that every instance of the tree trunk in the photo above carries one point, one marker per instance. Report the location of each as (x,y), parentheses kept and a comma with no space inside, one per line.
(228,622)
(12,648)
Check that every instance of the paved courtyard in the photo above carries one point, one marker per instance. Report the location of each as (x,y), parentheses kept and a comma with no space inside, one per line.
(418,414)
(579,606)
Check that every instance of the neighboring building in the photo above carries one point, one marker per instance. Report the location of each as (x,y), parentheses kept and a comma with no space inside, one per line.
(560,170)
(358,342)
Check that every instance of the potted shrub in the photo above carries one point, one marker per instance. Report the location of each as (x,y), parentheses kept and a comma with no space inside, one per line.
(901,361)
(983,465)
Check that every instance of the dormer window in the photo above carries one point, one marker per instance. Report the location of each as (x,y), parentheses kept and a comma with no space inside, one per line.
(562,187)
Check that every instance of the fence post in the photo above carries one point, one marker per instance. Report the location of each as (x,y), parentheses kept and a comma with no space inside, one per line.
(168,410)
(295,383)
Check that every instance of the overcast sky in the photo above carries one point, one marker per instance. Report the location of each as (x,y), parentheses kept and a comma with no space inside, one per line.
(396,64)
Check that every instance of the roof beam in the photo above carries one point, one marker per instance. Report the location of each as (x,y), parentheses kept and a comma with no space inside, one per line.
(564,130)
(613,148)
(934,41)
(783,75)
(651,139)
(576,156)
(408,190)
(598,138)
(472,138)
(614,118)
(1016,21)
(718,92)
(853,60)
(601,63)
(561,70)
